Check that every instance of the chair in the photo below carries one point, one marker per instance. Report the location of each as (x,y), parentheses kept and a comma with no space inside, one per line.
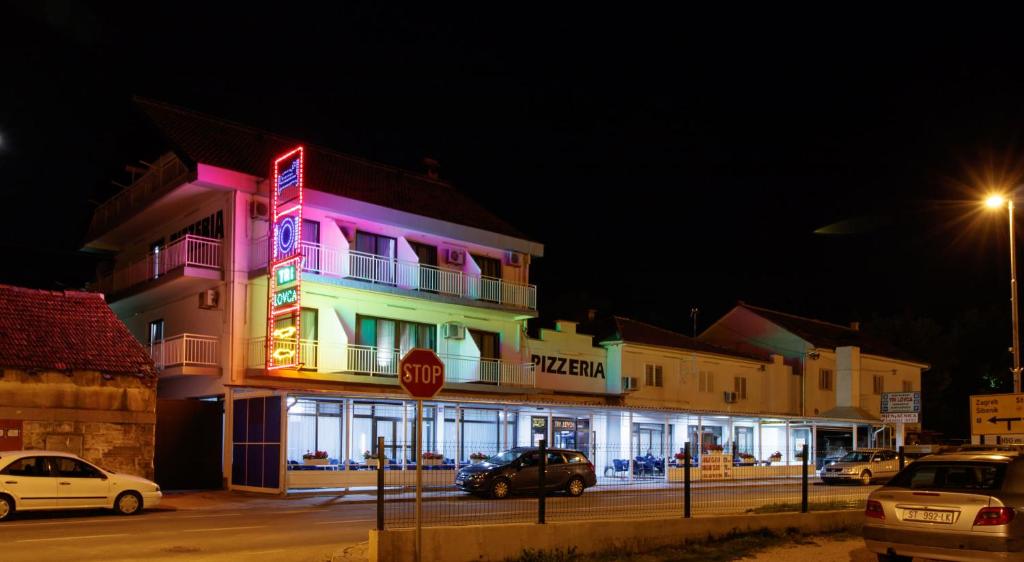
(620,465)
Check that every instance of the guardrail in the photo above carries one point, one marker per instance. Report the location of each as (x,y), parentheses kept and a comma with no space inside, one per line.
(383,362)
(351,264)
(186,349)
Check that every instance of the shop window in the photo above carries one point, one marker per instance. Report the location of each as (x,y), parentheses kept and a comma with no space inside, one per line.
(653,375)
(315,425)
(744,439)
(825,379)
(740,387)
(376,419)
(879,384)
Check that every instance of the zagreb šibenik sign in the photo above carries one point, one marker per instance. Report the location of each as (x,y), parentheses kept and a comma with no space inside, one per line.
(284,270)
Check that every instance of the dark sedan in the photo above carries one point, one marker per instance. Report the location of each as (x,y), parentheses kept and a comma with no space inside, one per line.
(518,470)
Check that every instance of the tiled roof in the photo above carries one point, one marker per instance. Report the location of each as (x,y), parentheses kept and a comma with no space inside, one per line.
(64,331)
(827,335)
(633,331)
(216,142)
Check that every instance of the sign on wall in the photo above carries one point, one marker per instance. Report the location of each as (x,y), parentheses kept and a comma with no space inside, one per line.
(901,407)
(10,435)
(285,271)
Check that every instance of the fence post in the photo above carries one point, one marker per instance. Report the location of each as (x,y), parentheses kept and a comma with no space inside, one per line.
(686,479)
(380,483)
(803,481)
(540,480)
(903,459)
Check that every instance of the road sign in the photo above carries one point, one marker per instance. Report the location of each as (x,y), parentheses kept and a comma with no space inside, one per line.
(997,414)
(901,402)
(900,417)
(421,373)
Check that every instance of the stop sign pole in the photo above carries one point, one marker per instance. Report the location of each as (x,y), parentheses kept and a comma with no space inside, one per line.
(421,374)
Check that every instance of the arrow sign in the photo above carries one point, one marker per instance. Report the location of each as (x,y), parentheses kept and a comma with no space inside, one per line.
(1009,421)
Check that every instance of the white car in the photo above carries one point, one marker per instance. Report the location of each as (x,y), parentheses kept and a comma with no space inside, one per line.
(50,480)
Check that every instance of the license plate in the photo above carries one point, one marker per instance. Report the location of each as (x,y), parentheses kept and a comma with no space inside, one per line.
(928,516)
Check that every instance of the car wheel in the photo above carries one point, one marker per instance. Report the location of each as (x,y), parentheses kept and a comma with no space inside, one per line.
(6,507)
(865,477)
(575,487)
(500,489)
(128,503)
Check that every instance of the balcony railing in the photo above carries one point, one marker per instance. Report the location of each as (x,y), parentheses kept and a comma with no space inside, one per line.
(383,362)
(186,350)
(351,264)
(188,251)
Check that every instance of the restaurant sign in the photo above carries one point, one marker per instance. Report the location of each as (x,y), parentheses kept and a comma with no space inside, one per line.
(284,291)
(714,466)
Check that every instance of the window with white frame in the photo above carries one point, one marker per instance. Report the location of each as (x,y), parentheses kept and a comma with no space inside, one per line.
(740,387)
(825,379)
(653,375)
(879,384)
(707,381)
(908,386)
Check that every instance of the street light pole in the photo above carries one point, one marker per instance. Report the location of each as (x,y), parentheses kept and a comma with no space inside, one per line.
(1013,303)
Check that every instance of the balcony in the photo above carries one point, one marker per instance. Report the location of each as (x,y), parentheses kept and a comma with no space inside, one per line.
(189,256)
(412,276)
(187,354)
(382,364)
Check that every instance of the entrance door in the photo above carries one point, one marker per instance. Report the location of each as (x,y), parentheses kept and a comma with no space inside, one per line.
(564,434)
(189,441)
(80,484)
(538,430)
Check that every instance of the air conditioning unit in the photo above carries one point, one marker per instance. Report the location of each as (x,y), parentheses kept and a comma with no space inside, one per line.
(259,210)
(456,256)
(730,397)
(629,384)
(514,259)
(208,298)
(454,331)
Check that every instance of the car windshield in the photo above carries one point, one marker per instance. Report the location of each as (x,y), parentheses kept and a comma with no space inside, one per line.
(856,456)
(505,457)
(950,475)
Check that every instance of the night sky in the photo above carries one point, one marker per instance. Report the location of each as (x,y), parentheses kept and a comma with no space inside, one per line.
(666,160)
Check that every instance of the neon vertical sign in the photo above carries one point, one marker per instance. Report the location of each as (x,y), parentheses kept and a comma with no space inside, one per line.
(284,275)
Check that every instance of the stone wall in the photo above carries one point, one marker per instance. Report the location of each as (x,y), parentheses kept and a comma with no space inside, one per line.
(108,420)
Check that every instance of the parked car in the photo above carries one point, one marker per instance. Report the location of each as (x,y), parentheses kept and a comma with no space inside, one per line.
(863,466)
(51,480)
(952,506)
(518,470)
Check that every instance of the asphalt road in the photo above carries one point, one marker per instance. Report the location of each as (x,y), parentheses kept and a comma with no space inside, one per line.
(324,527)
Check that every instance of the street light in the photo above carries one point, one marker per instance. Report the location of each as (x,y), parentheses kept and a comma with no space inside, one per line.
(996,201)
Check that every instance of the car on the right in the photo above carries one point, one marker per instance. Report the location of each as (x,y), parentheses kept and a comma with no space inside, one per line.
(962,506)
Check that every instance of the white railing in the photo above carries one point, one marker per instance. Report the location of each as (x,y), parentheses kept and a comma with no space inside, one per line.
(188,251)
(351,264)
(186,349)
(383,362)
(309,353)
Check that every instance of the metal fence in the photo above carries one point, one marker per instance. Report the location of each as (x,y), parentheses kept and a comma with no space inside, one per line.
(625,485)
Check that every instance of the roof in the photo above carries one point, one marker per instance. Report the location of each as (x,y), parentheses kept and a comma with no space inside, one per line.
(200,138)
(64,331)
(634,331)
(827,335)
(848,413)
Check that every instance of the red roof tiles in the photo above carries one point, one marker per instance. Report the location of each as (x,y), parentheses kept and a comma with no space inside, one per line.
(64,331)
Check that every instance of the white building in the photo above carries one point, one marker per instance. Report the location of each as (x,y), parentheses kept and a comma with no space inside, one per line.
(392,260)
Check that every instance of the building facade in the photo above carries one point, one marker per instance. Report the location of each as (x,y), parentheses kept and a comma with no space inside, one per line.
(292,294)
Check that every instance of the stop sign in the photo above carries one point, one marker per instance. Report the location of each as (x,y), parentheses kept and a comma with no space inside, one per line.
(421,373)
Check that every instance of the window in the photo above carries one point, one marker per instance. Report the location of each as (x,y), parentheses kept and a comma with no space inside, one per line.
(394,334)
(72,468)
(487,343)
(908,386)
(555,458)
(707,381)
(156,331)
(575,458)
(489,267)
(950,476)
(28,466)
(374,259)
(740,387)
(315,425)
(825,379)
(311,245)
(879,384)
(654,375)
